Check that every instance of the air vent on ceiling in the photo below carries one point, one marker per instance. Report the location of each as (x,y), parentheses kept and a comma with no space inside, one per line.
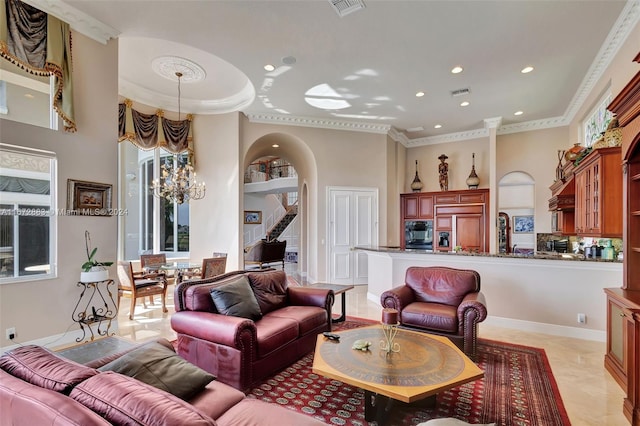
(345,7)
(460,92)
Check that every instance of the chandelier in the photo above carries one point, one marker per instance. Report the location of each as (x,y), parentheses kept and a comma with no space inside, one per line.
(177,182)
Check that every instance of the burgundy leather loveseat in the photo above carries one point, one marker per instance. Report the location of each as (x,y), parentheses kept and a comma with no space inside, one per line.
(242,351)
(39,388)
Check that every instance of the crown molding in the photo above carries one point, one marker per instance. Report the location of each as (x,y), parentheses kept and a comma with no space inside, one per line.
(492,123)
(623,26)
(145,96)
(79,21)
(527,126)
(322,123)
(449,137)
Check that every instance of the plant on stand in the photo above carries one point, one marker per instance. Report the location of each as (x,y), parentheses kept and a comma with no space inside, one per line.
(93,270)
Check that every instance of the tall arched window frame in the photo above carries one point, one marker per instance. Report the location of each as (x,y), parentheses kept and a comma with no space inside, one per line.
(152,225)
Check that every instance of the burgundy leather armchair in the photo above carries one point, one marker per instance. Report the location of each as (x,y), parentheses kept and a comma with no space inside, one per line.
(241,351)
(440,300)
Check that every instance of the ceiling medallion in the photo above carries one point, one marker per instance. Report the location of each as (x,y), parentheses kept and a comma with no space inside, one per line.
(168,66)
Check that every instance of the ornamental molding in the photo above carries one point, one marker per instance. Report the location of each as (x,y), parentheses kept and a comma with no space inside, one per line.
(79,21)
(24,162)
(527,126)
(140,94)
(449,137)
(322,123)
(628,19)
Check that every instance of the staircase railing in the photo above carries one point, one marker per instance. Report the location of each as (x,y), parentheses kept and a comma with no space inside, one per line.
(291,212)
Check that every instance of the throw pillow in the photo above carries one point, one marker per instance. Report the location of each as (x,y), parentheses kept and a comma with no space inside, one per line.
(270,289)
(159,366)
(235,298)
(122,400)
(40,367)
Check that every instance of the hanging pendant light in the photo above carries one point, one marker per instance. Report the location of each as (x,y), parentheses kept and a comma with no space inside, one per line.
(416,185)
(178,182)
(473,180)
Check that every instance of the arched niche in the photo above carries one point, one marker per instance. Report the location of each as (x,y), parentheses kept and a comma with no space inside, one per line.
(516,198)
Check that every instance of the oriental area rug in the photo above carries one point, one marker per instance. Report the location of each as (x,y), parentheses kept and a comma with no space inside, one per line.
(518,389)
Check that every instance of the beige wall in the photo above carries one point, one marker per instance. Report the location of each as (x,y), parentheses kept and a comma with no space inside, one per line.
(342,158)
(40,309)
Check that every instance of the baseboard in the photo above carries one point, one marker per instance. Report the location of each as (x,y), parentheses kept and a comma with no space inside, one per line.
(68,338)
(544,328)
(535,327)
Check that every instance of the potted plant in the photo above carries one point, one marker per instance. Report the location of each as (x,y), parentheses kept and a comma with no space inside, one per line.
(93,270)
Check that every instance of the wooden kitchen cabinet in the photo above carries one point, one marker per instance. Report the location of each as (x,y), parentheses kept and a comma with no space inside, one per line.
(598,189)
(416,206)
(460,218)
(622,359)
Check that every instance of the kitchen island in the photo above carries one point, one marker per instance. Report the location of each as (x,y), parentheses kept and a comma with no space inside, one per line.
(541,292)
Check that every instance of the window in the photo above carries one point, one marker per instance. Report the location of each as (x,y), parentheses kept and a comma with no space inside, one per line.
(597,121)
(27,214)
(153,225)
(26,98)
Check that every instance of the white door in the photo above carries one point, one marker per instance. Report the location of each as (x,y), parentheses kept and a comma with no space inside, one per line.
(353,221)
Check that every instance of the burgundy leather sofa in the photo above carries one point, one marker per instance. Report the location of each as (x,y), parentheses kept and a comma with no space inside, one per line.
(37,387)
(241,351)
(440,300)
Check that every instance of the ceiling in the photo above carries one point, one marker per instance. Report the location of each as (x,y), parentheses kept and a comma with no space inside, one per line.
(371,62)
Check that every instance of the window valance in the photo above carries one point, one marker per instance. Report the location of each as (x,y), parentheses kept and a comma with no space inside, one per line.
(143,130)
(41,45)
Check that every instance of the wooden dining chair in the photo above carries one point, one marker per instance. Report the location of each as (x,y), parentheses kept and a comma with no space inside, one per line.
(213,266)
(134,288)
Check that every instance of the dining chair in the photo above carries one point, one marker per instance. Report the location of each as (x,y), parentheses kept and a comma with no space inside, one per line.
(135,288)
(213,266)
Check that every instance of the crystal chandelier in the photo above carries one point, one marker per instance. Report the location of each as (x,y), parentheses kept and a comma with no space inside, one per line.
(178,182)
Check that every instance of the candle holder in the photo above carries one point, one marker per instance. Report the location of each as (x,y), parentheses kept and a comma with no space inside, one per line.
(388,345)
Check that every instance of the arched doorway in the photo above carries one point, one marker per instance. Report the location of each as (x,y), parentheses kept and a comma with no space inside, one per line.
(295,152)
(516,199)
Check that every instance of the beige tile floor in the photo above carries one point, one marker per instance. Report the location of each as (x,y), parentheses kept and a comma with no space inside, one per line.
(589,393)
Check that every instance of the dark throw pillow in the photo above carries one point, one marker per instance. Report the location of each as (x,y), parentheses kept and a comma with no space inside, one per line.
(160,367)
(236,298)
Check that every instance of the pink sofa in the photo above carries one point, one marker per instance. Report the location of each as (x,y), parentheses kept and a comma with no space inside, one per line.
(37,387)
(241,351)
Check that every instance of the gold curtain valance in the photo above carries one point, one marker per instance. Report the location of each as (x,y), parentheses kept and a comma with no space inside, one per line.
(143,130)
(41,45)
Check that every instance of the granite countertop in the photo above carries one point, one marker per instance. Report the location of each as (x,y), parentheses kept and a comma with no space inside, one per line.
(538,255)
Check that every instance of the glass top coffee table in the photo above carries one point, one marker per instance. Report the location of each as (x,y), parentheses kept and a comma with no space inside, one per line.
(425,365)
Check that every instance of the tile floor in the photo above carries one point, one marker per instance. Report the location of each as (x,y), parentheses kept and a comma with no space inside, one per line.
(589,393)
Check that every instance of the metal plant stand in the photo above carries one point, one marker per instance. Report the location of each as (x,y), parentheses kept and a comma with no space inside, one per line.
(95,305)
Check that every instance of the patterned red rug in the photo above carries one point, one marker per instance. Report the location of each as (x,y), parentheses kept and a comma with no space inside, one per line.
(518,389)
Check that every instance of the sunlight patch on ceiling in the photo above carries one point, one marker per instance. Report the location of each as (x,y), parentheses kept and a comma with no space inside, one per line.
(323,96)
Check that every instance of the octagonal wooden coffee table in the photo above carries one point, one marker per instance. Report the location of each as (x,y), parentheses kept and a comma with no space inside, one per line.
(425,365)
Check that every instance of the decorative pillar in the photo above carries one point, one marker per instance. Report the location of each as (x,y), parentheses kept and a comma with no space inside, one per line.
(492,124)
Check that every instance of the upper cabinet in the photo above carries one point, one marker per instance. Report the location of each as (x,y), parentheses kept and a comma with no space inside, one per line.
(598,194)
(417,206)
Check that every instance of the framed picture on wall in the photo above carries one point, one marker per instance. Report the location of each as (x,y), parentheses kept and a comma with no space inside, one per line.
(523,224)
(252,217)
(88,198)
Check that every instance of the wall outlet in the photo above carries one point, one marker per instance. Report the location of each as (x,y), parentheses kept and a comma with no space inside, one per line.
(582,319)
(11,333)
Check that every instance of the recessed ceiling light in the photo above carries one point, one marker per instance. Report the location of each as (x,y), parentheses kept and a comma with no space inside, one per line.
(526,70)
(269,67)
(518,113)
(437,126)
(419,94)
(29,95)
(465,103)
(275,145)
(415,129)
(456,70)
